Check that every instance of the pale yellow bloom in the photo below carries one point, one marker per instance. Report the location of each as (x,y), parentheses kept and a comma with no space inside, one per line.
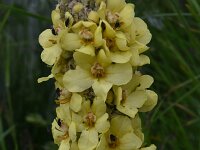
(91,120)
(82,39)
(71,100)
(63,129)
(120,136)
(52,49)
(96,72)
(114,43)
(132,96)
(117,13)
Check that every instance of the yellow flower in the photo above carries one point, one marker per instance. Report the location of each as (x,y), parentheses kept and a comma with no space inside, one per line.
(114,42)
(63,129)
(96,72)
(120,136)
(152,99)
(139,36)
(61,22)
(52,50)
(91,120)
(132,96)
(82,39)
(117,13)
(73,100)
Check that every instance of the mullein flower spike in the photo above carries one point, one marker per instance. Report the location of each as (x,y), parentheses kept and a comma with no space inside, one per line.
(94,49)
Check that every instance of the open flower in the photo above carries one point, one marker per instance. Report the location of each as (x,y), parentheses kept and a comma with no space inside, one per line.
(139,36)
(52,49)
(96,72)
(120,136)
(82,39)
(63,129)
(132,96)
(91,120)
(73,100)
(114,42)
(117,13)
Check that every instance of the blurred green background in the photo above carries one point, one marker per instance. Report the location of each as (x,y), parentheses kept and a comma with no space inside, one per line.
(27,108)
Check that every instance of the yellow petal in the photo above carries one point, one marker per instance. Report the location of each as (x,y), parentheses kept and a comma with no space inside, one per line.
(83,60)
(86,107)
(88,140)
(115,5)
(98,108)
(103,59)
(103,144)
(120,57)
(45,78)
(120,125)
(75,102)
(129,111)
(136,122)
(64,145)
(51,54)
(151,147)
(98,39)
(88,49)
(56,133)
(145,82)
(140,47)
(101,89)
(129,142)
(136,99)
(93,16)
(46,38)
(70,41)
(77,119)
(87,24)
(126,15)
(135,59)
(63,113)
(74,146)
(133,84)
(151,102)
(143,34)
(119,74)
(102,10)
(121,41)
(77,80)
(55,16)
(118,95)
(102,124)
(109,32)
(144,60)
(72,131)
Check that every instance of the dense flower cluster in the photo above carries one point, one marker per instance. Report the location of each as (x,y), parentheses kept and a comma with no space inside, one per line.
(95,54)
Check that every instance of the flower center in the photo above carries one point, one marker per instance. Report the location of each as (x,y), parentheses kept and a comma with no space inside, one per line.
(113,141)
(110,43)
(90,119)
(89,94)
(86,35)
(112,17)
(97,70)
